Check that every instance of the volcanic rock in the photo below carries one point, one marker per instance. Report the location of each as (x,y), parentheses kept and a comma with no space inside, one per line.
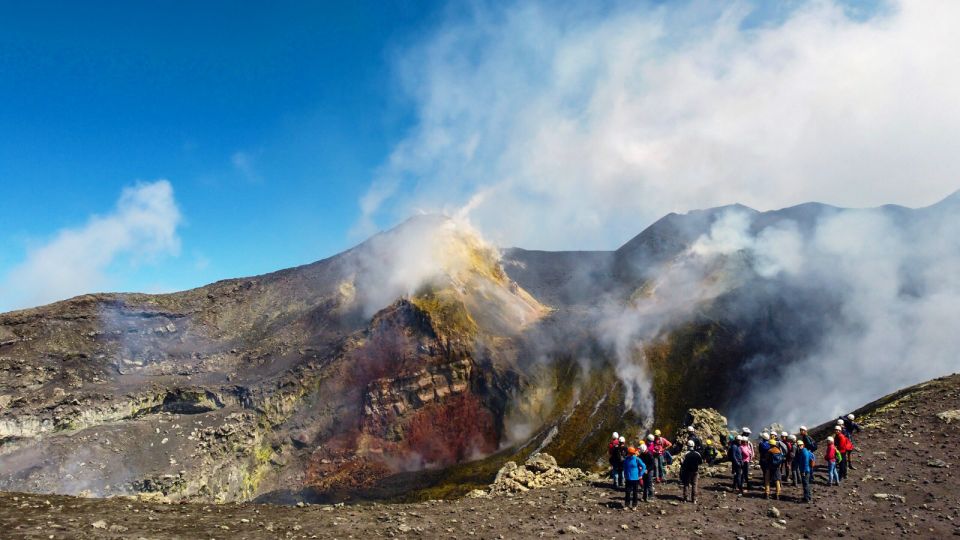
(539,471)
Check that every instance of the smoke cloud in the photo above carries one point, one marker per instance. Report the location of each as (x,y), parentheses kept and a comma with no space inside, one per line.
(573,128)
(141,226)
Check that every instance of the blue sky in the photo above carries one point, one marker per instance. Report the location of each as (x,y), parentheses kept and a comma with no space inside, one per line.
(287,131)
(267,118)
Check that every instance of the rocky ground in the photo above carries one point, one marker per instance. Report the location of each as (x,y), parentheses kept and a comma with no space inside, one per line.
(905,484)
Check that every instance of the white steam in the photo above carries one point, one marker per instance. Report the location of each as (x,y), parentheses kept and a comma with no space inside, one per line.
(576,127)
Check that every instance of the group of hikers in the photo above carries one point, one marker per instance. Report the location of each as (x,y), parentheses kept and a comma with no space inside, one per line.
(782,457)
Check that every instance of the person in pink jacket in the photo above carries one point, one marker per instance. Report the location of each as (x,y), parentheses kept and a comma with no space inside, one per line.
(747,450)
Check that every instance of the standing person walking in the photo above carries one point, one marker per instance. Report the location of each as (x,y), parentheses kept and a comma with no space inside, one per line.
(737,464)
(690,471)
(660,445)
(795,445)
(633,470)
(831,455)
(804,462)
(851,428)
(617,455)
(648,463)
(845,447)
(748,458)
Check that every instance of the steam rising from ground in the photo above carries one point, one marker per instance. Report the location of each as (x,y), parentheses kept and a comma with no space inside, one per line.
(896,278)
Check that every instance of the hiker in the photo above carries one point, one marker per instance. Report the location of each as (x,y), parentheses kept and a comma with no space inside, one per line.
(748,457)
(692,436)
(711,455)
(831,455)
(763,457)
(690,471)
(804,461)
(845,447)
(775,456)
(808,441)
(852,427)
(737,463)
(788,455)
(617,453)
(745,433)
(633,470)
(659,445)
(795,445)
(649,463)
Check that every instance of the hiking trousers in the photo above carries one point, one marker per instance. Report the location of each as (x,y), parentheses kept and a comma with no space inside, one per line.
(690,479)
(805,480)
(618,474)
(833,476)
(739,473)
(746,474)
(795,477)
(771,478)
(631,493)
(843,465)
(647,486)
(661,471)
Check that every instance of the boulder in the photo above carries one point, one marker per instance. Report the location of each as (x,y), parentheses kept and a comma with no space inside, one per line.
(709,424)
(949,416)
(540,470)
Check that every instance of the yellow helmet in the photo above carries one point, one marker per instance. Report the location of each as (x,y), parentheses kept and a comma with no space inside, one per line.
(656,432)
(709,442)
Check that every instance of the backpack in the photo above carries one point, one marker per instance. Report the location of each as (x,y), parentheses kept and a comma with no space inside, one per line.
(776,455)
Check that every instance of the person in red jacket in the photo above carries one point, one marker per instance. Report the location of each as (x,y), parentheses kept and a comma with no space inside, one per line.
(830,455)
(845,446)
(658,445)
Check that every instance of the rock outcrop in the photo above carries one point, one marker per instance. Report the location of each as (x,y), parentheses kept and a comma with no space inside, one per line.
(539,471)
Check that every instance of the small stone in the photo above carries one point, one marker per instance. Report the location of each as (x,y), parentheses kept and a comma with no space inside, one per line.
(773,512)
(570,529)
(100,524)
(938,463)
(624,526)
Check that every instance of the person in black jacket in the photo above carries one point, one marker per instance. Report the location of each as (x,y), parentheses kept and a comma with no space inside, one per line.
(617,453)
(808,441)
(690,471)
(851,428)
(649,462)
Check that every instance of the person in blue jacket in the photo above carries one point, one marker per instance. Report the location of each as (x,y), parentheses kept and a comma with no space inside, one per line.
(804,461)
(633,469)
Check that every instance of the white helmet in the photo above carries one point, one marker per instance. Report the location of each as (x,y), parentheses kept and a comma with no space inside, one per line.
(623,439)
(643,448)
(691,444)
(616,435)
(650,437)
(837,428)
(851,416)
(765,436)
(784,434)
(746,431)
(839,421)
(829,439)
(690,429)
(793,437)
(803,428)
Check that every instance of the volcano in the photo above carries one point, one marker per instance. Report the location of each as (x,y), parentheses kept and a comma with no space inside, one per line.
(414,364)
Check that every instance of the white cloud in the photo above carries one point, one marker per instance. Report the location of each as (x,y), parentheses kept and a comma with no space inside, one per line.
(76,260)
(580,128)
